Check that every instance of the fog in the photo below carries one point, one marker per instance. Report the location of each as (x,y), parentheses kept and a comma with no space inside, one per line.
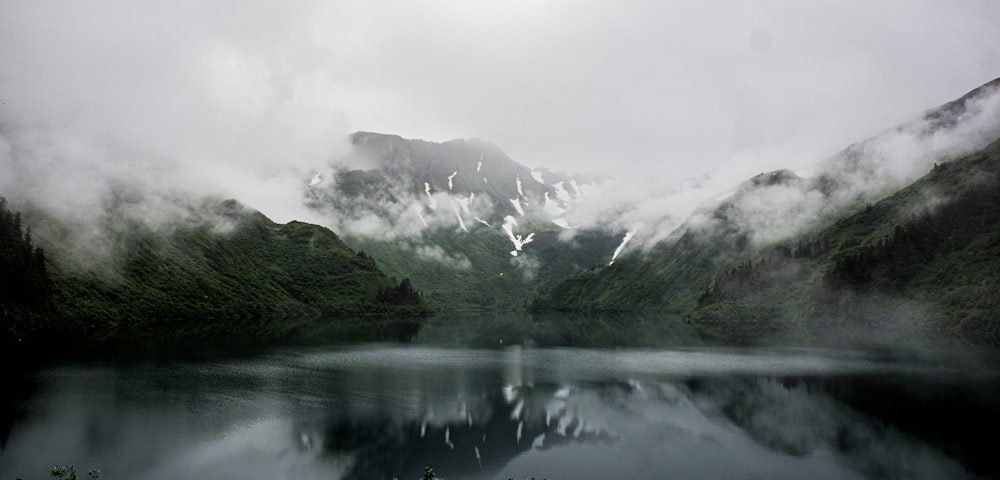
(143,108)
(773,206)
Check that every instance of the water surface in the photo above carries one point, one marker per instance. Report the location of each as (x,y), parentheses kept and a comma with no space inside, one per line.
(379,410)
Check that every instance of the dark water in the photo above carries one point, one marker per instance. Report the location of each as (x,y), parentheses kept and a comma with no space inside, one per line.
(374,411)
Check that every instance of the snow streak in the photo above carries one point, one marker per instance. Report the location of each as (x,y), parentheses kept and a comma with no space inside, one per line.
(518,241)
(427,190)
(537,176)
(628,236)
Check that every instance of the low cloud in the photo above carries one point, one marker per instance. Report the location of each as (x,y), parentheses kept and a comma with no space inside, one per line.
(386,209)
(771,207)
(139,113)
(437,254)
(146,108)
(527,265)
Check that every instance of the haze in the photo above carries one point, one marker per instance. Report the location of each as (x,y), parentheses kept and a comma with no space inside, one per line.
(247,97)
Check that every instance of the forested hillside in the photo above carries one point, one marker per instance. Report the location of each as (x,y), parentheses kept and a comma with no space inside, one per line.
(866,246)
(25,287)
(924,262)
(248,276)
(436,213)
(671,274)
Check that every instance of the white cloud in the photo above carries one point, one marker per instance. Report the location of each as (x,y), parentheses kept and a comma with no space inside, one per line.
(250,99)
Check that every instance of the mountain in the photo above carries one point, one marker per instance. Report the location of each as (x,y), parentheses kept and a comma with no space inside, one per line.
(226,270)
(922,262)
(868,238)
(725,238)
(475,229)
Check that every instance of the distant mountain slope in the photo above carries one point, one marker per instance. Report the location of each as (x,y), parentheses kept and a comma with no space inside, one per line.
(924,262)
(779,207)
(474,166)
(670,276)
(439,213)
(231,272)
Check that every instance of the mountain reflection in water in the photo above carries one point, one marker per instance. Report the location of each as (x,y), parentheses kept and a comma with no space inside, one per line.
(379,411)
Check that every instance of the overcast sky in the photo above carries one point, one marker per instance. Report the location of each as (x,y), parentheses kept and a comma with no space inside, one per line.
(669,89)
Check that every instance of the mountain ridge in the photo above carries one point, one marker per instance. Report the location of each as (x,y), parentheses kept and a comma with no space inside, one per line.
(475,230)
(252,277)
(670,276)
(471,226)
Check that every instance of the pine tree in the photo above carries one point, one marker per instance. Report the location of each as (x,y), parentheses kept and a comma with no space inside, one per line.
(24,279)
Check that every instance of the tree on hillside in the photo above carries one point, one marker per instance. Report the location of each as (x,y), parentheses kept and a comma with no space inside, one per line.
(402,294)
(25,287)
(891,261)
(24,280)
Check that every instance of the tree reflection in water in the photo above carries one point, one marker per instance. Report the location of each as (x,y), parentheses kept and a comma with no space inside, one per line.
(379,411)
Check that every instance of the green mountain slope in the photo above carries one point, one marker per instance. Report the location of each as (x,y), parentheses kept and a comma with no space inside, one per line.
(777,216)
(389,213)
(238,274)
(482,275)
(25,286)
(478,166)
(924,262)
(670,276)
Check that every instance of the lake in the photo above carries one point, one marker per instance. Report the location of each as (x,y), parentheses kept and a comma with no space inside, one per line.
(512,409)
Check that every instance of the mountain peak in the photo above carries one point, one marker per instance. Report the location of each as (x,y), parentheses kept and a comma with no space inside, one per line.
(776,177)
(948,115)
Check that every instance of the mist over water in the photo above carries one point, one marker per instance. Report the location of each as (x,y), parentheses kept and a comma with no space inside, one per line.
(384,410)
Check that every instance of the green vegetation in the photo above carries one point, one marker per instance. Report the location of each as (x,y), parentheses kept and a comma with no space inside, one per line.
(458,270)
(429,475)
(25,287)
(668,278)
(920,264)
(69,473)
(253,277)
(475,271)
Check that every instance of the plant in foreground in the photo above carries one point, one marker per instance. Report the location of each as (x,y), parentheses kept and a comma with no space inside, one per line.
(69,473)
(429,475)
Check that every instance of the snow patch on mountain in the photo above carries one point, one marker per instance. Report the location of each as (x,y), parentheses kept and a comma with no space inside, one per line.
(427,190)
(561,193)
(537,176)
(517,206)
(621,246)
(461,223)
(518,241)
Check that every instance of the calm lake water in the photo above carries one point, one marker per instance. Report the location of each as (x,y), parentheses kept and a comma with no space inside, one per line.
(379,410)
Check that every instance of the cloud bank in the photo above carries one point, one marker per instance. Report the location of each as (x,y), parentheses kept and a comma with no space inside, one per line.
(143,106)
